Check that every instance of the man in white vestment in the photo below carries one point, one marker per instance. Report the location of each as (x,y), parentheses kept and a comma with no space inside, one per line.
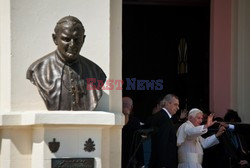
(189,141)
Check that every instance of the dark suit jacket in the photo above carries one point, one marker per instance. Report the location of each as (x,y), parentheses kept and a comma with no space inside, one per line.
(242,128)
(130,141)
(227,154)
(164,149)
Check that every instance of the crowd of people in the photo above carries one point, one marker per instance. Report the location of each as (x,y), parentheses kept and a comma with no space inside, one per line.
(192,140)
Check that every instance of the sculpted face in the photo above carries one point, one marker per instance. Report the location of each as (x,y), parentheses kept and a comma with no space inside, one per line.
(69,40)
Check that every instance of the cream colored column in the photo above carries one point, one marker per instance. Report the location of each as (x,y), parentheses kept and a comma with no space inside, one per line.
(5,56)
(115,147)
(116,74)
(6,149)
(38,148)
(241,63)
(16,148)
(106,148)
(116,54)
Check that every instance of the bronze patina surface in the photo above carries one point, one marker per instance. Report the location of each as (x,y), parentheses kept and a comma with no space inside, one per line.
(65,79)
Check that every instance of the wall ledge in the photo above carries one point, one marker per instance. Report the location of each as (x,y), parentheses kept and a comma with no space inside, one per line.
(61,118)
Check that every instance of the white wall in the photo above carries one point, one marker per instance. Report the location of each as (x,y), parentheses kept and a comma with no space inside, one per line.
(5,56)
(32,24)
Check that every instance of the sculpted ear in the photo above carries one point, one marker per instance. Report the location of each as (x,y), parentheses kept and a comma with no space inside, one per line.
(83,38)
(54,38)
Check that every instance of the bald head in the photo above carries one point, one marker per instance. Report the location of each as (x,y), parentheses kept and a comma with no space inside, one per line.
(127,105)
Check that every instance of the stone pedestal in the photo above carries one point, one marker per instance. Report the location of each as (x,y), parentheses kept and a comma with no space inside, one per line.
(26,127)
(28,140)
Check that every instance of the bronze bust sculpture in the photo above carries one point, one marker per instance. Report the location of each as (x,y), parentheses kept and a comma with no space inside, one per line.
(62,77)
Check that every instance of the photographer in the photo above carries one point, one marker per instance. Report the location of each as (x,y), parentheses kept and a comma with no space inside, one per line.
(235,144)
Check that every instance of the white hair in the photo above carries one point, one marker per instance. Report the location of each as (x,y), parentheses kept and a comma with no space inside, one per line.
(193,112)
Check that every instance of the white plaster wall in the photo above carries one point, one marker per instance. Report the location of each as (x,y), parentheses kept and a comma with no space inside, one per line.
(5,56)
(71,146)
(32,24)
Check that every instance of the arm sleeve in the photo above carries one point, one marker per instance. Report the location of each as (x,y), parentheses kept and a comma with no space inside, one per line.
(230,126)
(195,131)
(209,141)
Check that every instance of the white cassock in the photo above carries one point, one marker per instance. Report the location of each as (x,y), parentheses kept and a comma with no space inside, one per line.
(190,144)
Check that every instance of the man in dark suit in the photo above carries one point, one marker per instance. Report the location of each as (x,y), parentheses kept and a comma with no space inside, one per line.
(236,146)
(164,149)
(242,128)
(130,137)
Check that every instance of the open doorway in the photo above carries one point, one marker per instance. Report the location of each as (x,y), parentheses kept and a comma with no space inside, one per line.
(166,50)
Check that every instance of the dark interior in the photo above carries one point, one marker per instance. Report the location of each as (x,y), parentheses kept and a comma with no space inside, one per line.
(152,31)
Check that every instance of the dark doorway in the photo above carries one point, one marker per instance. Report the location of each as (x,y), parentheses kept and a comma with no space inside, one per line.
(151,60)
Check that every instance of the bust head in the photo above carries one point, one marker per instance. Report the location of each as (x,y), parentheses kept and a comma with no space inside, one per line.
(69,37)
(61,76)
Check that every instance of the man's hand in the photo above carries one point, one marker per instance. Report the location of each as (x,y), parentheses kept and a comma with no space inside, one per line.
(221,131)
(224,124)
(243,163)
(210,121)
(183,114)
